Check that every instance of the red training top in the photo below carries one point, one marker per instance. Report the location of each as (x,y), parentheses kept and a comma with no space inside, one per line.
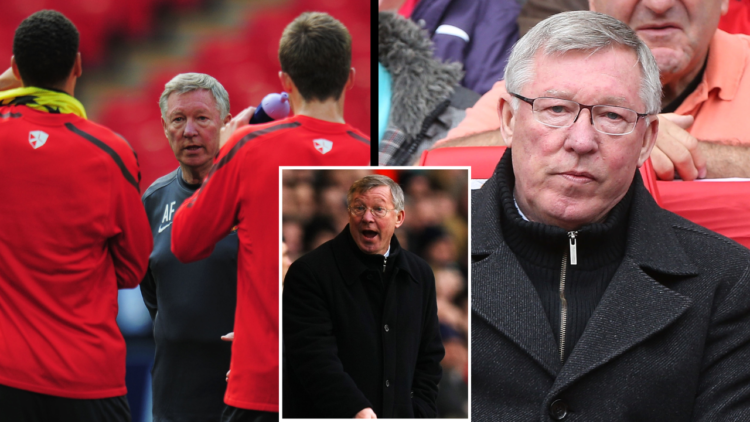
(243,190)
(72,231)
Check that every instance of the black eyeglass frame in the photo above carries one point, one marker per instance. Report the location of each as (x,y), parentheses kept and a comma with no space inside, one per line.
(590,108)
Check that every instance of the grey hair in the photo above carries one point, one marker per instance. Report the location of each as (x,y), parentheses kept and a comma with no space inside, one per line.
(581,31)
(186,82)
(372,181)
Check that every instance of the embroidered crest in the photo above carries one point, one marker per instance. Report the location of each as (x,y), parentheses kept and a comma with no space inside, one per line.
(37,138)
(323,145)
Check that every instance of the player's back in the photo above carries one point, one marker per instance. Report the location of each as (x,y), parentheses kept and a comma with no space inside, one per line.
(249,164)
(69,235)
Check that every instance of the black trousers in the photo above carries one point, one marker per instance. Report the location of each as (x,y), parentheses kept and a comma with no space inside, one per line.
(235,414)
(26,406)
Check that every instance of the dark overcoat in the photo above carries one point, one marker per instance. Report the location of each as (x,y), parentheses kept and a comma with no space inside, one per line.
(333,366)
(669,340)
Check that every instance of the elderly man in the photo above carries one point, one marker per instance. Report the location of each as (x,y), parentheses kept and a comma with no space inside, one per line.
(242,191)
(361,332)
(72,231)
(590,302)
(191,305)
(706,77)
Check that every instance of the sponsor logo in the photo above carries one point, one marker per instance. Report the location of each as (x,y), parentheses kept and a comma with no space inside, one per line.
(37,138)
(162,228)
(322,145)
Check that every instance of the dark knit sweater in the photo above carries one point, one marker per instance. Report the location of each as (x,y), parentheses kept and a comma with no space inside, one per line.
(541,248)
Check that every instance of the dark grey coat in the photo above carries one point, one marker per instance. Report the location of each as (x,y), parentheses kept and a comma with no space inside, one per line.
(333,365)
(669,341)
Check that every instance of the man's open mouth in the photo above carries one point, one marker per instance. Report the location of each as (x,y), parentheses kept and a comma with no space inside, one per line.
(369,234)
(193,147)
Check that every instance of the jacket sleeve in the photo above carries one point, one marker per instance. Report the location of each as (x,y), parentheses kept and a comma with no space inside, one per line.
(428,371)
(148,291)
(724,388)
(310,347)
(482,117)
(492,30)
(209,215)
(131,244)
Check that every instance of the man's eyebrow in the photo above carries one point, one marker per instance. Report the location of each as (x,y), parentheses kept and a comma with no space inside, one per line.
(618,101)
(608,100)
(556,93)
(196,111)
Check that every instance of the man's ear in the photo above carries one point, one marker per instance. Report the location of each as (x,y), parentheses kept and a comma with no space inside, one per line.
(591,6)
(14,66)
(350,80)
(226,119)
(164,126)
(286,81)
(77,66)
(507,121)
(400,218)
(649,140)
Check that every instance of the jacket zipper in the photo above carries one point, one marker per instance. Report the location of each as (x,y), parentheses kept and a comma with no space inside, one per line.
(385,260)
(573,252)
(564,307)
(563,301)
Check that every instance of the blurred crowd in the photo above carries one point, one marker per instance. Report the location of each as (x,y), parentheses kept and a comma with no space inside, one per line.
(314,211)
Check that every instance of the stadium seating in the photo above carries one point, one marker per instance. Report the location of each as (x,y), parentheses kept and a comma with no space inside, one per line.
(246,63)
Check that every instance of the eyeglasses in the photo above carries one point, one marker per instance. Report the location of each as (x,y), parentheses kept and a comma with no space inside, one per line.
(359,211)
(555,112)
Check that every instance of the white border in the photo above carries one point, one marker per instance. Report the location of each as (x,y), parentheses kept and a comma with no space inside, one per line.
(468,258)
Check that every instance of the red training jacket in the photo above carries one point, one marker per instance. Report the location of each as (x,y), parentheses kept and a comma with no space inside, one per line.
(243,190)
(72,231)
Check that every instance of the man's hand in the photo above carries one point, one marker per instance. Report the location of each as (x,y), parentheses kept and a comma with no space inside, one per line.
(366,413)
(237,122)
(676,150)
(489,138)
(228,337)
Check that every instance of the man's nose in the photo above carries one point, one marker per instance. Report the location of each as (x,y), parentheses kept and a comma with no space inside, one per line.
(190,129)
(582,137)
(658,7)
(368,215)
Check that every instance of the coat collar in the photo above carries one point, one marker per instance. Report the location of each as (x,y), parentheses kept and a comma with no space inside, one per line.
(351,266)
(634,306)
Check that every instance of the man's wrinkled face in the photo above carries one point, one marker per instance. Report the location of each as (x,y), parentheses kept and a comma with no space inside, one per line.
(192,127)
(373,234)
(678,32)
(571,176)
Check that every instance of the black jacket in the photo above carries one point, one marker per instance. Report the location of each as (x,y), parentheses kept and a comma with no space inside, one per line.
(339,359)
(669,340)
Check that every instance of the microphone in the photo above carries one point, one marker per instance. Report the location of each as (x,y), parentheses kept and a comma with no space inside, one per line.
(272,107)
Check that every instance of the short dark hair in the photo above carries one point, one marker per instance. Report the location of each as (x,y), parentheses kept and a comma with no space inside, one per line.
(316,51)
(45,48)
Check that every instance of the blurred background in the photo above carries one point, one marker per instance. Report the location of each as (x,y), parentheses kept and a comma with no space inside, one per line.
(130,49)
(435,228)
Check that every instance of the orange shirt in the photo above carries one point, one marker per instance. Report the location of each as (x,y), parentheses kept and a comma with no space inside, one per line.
(721,102)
